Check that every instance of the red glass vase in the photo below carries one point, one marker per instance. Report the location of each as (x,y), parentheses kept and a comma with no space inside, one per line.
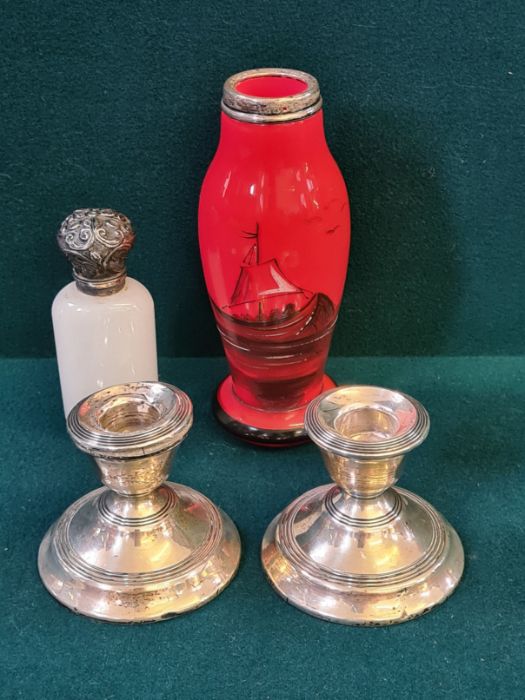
(274,233)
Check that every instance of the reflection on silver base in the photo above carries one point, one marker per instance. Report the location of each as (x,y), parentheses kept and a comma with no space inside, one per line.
(360,551)
(161,555)
(322,558)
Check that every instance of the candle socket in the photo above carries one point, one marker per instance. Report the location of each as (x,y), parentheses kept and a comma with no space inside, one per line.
(362,551)
(139,549)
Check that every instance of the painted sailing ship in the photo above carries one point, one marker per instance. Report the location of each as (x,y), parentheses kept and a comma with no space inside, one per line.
(265,299)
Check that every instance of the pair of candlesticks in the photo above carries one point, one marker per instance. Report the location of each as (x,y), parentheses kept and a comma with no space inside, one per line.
(357,551)
(274,233)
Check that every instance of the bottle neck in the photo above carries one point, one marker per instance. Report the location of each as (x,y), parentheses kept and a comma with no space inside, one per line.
(239,137)
(100,287)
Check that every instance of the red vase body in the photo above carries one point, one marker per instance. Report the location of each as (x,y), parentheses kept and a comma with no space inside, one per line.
(274,233)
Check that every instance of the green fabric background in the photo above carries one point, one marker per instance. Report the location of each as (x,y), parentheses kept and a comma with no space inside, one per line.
(112,103)
(248,643)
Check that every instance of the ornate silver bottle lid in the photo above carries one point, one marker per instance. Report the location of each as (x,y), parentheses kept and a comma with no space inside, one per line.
(96,242)
(265,110)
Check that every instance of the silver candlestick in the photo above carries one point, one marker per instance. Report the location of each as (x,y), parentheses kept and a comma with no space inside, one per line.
(140,549)
(361,551)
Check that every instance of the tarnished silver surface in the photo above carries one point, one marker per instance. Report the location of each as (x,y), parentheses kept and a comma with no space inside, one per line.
(96,242)
(140,549)
(361,551)
(266,110)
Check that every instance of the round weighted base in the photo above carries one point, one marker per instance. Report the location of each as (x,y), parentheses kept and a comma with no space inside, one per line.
(357,561)
(265,428)
(141,558)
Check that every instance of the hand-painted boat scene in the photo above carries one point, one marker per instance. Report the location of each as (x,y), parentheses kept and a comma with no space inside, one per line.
(276,333)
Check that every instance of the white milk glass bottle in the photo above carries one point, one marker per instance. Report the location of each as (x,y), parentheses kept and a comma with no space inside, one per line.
(104,321)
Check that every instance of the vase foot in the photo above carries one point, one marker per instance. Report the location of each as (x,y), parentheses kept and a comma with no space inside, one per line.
(375,562)
(124,560)
(264,428)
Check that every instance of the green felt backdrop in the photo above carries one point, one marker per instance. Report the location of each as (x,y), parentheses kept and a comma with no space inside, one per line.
(114,103)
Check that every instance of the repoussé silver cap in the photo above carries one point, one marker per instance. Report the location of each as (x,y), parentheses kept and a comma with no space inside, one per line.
(96,242)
